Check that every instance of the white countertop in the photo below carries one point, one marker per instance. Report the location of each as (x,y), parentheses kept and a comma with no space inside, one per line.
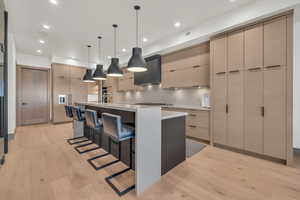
(133,108)
(171,114)
(189,107)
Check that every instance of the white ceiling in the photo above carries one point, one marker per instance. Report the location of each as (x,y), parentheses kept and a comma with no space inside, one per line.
(76,23)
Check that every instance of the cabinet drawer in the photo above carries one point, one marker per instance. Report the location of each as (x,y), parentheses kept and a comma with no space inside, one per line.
(199,118)
(197,132)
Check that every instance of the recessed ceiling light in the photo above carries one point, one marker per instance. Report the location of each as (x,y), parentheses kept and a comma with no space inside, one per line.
(45,26)
(124,50)
(42,41)
(53,2)
(109,57)
(145,39)
(72,57)
(39,51)
(177,24)
(232,1)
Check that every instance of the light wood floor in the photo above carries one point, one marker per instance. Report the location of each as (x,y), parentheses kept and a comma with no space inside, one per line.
(42,166)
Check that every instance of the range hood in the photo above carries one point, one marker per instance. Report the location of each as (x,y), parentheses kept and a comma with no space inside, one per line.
(152,75)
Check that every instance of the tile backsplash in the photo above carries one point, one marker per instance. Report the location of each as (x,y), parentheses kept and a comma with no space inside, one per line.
(155,94)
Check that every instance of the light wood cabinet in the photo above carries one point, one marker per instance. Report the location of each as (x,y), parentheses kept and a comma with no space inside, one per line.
(186,68)
(220,108)
(256,95)
(219,53)
(197,123)
(126,83)
(235,51)
(235,133)
(254,47)
(275,112)
(254,110)
(66,80)
(275,41)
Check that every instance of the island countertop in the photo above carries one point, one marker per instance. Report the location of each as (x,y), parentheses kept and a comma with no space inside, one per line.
(133,108)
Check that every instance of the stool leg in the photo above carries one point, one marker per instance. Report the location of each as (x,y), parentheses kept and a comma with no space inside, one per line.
(108,179)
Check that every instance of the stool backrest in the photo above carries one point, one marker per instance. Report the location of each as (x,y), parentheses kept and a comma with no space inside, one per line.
(68,110)
(111,124)
(92,119)
(77,115)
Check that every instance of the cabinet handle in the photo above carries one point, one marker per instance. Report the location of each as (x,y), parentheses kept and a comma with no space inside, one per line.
(234,71)
(227,108)
(254,69)
(173,70)
(263,111)
(219,73)
(196,66)
(192,126)
(272,66)
(193,115)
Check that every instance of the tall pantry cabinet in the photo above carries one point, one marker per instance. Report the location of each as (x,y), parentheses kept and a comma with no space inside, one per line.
(251,80)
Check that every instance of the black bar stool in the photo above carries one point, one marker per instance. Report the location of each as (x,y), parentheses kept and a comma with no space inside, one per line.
(118,132)
(69,114)
(79,117)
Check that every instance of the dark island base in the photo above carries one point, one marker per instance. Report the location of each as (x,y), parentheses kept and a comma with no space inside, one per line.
(173,140)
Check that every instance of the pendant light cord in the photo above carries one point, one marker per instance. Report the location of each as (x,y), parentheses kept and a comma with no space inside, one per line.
(137,28)
(115,37)
(99,48)
(88,56)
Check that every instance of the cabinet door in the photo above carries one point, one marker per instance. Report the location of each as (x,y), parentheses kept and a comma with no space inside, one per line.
(275,112)
(61,86)
(79,89)
(253,110)
(219,54)
(275,42)
(168,79)
(219,105)
(236,51)
(254,47)
(235,133)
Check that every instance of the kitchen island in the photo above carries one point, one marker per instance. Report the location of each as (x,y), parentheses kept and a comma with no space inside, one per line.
(159,139)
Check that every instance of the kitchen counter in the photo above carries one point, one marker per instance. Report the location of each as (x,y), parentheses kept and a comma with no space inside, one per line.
(170,114)
(189,107)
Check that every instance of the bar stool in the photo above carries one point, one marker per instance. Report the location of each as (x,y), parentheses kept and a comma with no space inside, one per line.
(95,126)
(118,133)
(80,118)
(69,114)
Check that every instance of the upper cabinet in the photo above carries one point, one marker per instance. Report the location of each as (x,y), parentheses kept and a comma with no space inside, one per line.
(235,51)
(186,68)
(275,42)
(219,53)
(254,47)
(126,83)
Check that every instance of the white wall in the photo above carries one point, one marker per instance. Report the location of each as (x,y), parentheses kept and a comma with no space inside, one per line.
(11,84)
(296,112)
(33,61)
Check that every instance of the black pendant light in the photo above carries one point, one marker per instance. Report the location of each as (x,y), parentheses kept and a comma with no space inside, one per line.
(114,68)
(99,74)
(137,62)
(88,76)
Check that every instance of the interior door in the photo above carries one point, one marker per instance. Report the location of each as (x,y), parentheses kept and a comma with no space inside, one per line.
(235,132)
(34,96)
(275,42)
(254,110)
(219,113)
(275,112)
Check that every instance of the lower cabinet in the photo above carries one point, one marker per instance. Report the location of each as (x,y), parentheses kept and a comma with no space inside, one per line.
(197,123)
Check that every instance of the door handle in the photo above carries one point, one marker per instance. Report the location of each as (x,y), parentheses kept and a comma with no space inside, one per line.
(24,103)
(227,108)
(263,111)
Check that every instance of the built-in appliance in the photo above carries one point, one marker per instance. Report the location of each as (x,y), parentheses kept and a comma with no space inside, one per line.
(105,96)
(153,73)
(3,84)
